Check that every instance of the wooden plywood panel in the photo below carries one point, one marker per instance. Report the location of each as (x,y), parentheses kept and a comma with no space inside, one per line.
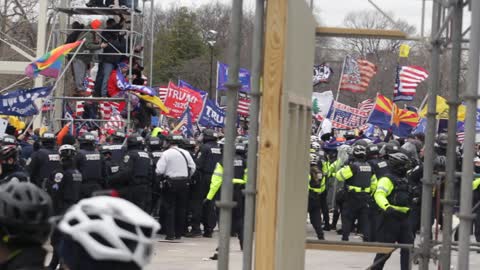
(269,144)
(285,122)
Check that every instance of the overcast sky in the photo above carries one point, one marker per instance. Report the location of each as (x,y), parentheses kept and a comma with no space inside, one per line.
(331,13)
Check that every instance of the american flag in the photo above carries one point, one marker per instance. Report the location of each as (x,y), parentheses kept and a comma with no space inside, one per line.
(79,108)
(162,92)
(116,122)
(366,105)
(408,78)
(460,136)
(89,84)
(243,106)
(109,109)
(356,74)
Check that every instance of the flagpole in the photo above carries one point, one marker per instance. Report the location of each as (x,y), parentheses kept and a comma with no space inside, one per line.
(56,83)
(423,102)
(338,90)
(216,87)
(13,84)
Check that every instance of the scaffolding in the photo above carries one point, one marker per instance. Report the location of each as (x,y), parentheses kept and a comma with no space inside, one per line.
(136,24)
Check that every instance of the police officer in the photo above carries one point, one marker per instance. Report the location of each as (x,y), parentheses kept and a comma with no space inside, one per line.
(209,155)
(316,187)
(88,161)
(64,188)
(117,147)
(380,169)
(415,177)
(175,166)
(324,166)
(476,198)
(135,173)
(43,161)
(359,183)
(10,169)
(154,145)
(194,204)
(393,197)
(110,167)
(379,165)
(239,181)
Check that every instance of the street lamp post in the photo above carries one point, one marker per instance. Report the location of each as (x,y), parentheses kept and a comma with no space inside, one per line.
(211,39)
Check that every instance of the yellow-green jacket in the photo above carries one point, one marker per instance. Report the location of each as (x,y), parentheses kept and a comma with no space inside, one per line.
(314,171)
(346,173)
(476,183)
(217,179)
(384,189)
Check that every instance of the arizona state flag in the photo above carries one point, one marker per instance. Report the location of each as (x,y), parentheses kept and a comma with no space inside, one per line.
(387,115)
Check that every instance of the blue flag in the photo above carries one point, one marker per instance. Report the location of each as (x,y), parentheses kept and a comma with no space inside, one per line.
(184,84)
(185,124)
(212,115)
(421,127)
(21,102)
(222,77)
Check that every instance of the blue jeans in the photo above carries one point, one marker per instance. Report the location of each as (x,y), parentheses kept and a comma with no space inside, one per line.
(106,71)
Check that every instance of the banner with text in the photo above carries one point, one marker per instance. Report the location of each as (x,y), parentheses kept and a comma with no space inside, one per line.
(346,117)
(212,115)
(178,98)
(21,102)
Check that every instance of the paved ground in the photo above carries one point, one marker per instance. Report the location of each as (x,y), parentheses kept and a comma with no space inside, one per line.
(194,253)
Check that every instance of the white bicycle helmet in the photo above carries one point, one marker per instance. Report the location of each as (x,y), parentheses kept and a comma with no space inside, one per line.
(111,228)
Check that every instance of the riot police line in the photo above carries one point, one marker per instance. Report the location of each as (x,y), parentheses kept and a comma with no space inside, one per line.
(376,185)
(167,179)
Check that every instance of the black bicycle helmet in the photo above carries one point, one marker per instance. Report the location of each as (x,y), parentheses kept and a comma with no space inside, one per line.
(47,137)
(175,139)
(372,150)
(135,140)
(389,148)
(105,149)
(25,210)
(154,143)
(87,138)
(399,163)
(359,149)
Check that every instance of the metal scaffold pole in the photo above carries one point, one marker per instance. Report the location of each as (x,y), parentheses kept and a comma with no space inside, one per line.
(251,186)
(426,209)
(471,96)
(41,37)
(152,35)
(226,204)
(448,201)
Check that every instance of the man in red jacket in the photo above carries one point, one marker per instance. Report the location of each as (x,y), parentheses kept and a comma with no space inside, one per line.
(113,89)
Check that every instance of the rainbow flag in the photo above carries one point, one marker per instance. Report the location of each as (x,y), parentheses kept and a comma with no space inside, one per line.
(50,64)
(387,115)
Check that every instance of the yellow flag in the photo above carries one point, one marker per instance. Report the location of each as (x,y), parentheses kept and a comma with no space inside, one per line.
(404,50)
(155,101)
(443,108)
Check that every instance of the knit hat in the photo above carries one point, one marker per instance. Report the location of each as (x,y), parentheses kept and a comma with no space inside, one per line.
(95,24)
